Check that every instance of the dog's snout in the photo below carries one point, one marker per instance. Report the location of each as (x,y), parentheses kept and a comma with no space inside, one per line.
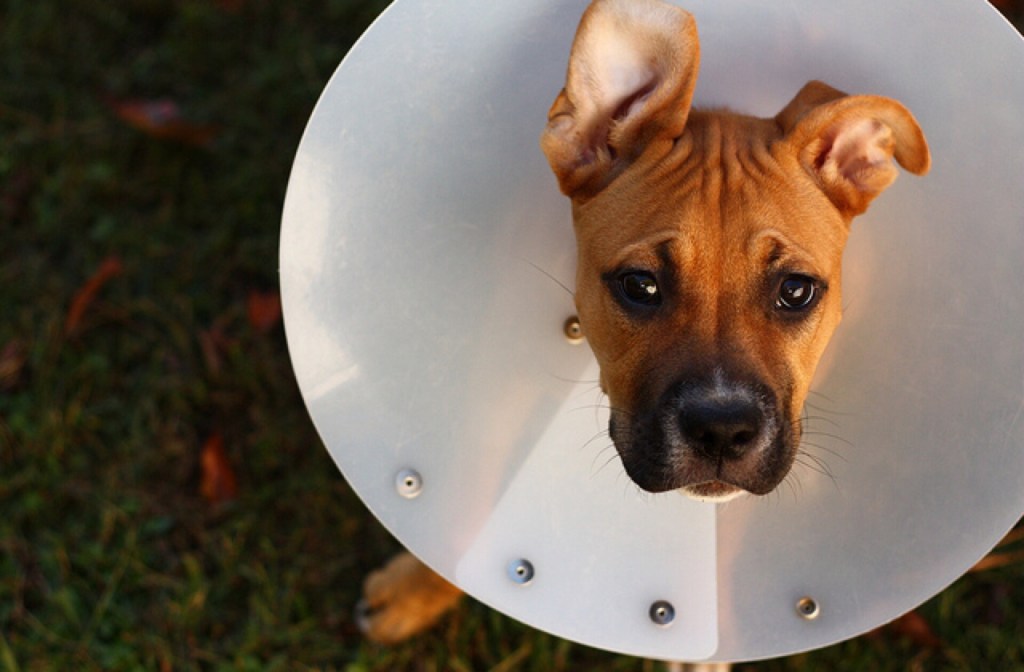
(721,429)
(710,435)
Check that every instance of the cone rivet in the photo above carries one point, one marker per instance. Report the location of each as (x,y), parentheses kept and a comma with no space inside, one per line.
(573,330)
(408,483)
(807,608)
(520,571)
(662,613)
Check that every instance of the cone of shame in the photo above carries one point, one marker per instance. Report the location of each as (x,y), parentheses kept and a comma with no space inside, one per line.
(424,250)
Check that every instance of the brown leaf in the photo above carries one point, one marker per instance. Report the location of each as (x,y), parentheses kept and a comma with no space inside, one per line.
(13,357)
(264,310)
(86,294)
(217,479)
(913,627)
(162,118)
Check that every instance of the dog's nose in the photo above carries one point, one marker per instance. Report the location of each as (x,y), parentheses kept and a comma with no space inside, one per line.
(720,429)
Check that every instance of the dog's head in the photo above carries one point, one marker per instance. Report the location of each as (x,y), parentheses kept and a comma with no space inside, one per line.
(709,245)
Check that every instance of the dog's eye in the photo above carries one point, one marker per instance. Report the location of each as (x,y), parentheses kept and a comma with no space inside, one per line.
(640,287)
(797,292)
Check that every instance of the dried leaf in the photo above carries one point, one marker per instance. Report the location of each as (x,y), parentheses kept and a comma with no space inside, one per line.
(13,357)
(86,294)
(264,310)
(218,484)
(913,627)
(162,118)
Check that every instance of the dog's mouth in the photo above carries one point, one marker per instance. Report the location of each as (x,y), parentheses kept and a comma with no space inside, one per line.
(711,440)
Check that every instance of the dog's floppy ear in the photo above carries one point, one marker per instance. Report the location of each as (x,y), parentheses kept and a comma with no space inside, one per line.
(847,143)
(632,70)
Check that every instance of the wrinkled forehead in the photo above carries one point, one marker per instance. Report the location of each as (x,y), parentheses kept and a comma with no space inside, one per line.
(760,220)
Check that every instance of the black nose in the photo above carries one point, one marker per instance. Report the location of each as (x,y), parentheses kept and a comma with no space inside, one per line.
(721,429)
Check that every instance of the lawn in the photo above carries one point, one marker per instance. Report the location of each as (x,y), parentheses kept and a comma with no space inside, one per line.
(165,503)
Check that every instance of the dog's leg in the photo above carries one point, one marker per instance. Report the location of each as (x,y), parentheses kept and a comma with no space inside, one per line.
(402,599)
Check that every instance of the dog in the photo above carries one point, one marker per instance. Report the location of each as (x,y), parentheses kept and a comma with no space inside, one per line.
(709,249)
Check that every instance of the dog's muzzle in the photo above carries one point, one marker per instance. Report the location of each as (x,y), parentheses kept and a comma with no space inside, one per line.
(712,438)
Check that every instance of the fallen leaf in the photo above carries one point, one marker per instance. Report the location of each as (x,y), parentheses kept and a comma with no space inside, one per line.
(13,357)
(86,294)
(264,310)
(162,118)
(217,479)
(913,627)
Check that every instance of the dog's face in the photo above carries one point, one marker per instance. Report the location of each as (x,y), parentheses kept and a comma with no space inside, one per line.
(709,246)
(708,307)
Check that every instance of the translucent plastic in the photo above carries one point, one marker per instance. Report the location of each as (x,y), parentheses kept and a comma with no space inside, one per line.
(424,251)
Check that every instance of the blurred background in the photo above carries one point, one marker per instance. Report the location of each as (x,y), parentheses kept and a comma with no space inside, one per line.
(165,503)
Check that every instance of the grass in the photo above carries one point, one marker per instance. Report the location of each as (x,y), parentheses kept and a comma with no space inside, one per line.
(154,138)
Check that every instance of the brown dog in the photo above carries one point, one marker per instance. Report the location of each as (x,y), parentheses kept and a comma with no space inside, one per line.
(709,253)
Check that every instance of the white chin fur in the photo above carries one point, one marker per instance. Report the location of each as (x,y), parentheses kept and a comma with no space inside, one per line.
(712,499)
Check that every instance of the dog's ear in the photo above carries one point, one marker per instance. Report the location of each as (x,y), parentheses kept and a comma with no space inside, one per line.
(847,143)
(632,70)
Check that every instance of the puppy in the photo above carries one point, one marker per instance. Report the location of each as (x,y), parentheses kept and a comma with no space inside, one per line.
(708,269)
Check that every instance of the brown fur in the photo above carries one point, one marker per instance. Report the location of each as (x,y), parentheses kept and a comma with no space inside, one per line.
(402,598)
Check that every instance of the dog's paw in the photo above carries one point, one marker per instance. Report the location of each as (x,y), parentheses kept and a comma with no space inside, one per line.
(402,599)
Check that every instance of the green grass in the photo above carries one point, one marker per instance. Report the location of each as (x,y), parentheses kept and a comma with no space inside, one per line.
(110,558)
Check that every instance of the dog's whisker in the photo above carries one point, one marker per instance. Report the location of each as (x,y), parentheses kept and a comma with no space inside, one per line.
(792,480)
(818,418)
(575,381)
(588,407)
(600,435)
(815,464)
(821,395)
(822,409)
(810,435)
(604,465)
(553,279)
(809,442)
